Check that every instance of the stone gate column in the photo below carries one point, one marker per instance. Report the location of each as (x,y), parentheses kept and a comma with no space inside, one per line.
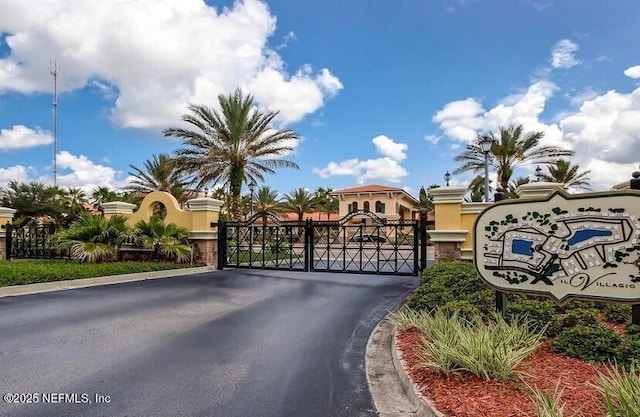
(448,234)
(204,231)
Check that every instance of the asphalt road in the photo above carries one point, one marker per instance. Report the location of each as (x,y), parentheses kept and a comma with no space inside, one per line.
(227,343)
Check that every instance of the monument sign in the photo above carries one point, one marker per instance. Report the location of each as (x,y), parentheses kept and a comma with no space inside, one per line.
(565,246)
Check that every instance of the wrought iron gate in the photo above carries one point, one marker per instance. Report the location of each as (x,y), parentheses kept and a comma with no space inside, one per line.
(31,242)
(361,242)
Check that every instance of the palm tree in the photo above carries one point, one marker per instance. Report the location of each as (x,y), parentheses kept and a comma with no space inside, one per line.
(159,174)
(234,146)
(92,238)
(324,201)
(511,149)
(266,202)
(74,200)
(167,240)
(562,172)
(425,199)
(514,184)
(476,190)
(299,201)
(101,195)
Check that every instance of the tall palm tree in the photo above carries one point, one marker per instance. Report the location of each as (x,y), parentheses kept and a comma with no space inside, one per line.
(266,202)
(299,201)
(562,172)
(159,174)
(101,195)
(74,200)
(511,149)
(234,146)
(324,201)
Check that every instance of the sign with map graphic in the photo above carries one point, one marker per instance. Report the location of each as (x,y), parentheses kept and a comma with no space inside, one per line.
(565,246)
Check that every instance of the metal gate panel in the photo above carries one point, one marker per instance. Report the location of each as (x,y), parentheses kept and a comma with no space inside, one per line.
(372,247)
(264,242)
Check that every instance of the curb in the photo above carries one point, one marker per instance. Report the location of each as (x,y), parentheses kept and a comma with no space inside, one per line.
(424,404)
(15,290)
(394,395)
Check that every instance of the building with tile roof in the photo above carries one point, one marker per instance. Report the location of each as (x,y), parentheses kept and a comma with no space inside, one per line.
(386,202)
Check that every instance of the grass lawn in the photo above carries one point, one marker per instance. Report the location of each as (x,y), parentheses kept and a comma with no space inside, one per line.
(32,271)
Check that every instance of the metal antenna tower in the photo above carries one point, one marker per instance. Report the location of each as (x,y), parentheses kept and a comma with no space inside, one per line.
(55,70)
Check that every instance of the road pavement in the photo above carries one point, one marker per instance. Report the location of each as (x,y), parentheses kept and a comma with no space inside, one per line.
(225,343)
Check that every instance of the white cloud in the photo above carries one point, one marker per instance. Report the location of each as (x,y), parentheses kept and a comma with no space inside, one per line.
(563,54)
(15,173)
(22,137)
(156,56)
(433,139)
(380,168)
(633,72)
(73,171)
(460,119)
(604,132)
(385,168)
(79,171)
(387,147)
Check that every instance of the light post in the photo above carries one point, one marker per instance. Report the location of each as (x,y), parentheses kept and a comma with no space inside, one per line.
(447,178)
(485,145)
(252,188)
(538,173)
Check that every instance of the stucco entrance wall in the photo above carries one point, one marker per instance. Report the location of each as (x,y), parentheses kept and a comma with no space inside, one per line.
(199,216)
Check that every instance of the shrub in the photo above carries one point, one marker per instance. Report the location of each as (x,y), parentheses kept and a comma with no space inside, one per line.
(581,317)
(462,308)
(617,312)
(629,351)
(540,313)
(591,343)
(621,391)
(452,281)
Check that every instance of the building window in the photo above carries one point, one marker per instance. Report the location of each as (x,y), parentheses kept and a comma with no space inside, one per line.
(380,207)
(366,206)
(349,208)
(354,206)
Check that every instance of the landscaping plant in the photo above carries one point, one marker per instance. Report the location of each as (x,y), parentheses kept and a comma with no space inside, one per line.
(621,391)
(488,349)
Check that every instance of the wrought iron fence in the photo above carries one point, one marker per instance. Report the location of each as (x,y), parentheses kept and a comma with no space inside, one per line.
(371,246)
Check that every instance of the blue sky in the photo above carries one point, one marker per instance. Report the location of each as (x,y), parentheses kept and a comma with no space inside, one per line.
(381,92)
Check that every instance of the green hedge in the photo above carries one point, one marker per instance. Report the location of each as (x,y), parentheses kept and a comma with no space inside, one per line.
(33,271)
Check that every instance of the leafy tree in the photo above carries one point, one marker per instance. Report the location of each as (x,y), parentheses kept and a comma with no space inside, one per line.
(511,149)
(167,240)
(35,200)
(234,146)
(93,238)
(324,201)
(299,201)
(562,172)
(159,174)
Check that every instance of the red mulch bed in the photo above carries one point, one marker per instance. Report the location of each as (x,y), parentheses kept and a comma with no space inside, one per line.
(469,396)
